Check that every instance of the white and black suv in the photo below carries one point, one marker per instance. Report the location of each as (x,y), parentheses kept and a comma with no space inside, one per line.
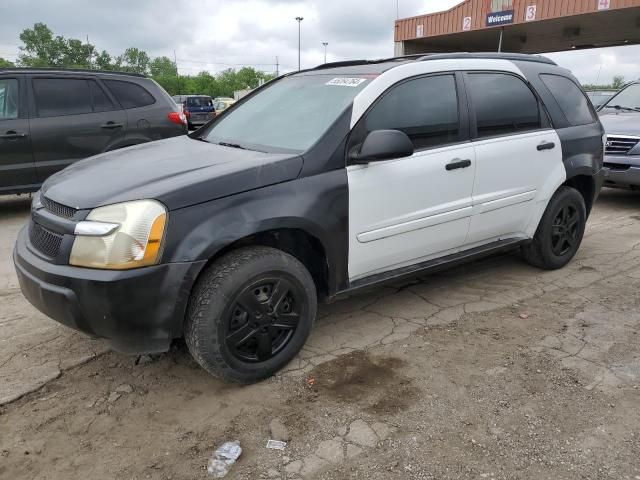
(319,183)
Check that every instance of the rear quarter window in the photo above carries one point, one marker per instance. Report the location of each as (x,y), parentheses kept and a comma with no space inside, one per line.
(129,94)
(570,98)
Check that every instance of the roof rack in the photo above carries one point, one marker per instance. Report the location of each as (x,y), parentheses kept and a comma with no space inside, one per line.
(440,56)
(520,57)
(69,70)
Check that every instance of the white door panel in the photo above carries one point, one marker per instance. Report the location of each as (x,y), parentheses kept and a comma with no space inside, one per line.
(404,211)
(511,174)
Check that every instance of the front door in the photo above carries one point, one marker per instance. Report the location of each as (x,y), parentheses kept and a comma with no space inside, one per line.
(17,171)
(73,118)
(406,211)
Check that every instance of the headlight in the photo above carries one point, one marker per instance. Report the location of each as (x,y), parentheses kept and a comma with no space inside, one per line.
(121,236)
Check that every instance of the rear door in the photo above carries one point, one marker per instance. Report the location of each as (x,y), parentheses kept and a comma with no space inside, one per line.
(72,118)
(517,152)
(17,171)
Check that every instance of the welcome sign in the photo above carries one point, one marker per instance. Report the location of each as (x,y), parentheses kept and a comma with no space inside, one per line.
(499,18)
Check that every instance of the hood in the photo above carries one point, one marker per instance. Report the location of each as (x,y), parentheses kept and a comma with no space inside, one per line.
(621,123)
(178,172)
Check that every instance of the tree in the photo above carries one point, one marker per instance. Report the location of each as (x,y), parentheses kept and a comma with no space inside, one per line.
(6,63)
(162,67)
(104,61)
(618,82)
(133,60)
(41,48)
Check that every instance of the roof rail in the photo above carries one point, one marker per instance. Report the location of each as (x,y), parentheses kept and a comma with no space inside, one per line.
(439,56)
(70,70)
(521,57)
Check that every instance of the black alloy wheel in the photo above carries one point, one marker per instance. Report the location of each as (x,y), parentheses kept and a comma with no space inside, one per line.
(263,318)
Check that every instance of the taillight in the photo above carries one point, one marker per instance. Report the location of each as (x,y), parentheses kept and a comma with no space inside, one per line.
(178,117)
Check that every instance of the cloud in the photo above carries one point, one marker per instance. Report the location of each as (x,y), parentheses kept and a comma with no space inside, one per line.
(217,34)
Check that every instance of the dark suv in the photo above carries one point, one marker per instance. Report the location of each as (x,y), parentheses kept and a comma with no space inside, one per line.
(314,185)
(50,118)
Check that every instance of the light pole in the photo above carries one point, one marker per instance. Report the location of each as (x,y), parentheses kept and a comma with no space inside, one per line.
(299,19)
(325,50)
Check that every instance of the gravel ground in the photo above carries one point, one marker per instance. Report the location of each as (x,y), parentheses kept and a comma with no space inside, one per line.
(495,370)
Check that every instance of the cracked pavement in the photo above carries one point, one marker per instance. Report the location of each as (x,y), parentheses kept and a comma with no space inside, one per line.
(491,370)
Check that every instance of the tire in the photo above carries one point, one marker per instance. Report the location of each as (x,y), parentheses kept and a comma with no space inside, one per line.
(560,231)
(230,329)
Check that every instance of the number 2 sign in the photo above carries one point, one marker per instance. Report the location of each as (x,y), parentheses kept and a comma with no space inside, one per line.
(466,24)
(604,4)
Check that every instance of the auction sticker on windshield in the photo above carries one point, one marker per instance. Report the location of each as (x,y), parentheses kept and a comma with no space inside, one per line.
(346,82)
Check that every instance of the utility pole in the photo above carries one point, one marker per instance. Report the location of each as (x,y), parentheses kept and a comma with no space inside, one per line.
(325,51)
(299,19)
(277,67)
(175,64)
(89,53)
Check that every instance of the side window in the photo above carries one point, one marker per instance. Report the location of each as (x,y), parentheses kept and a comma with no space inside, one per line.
(426,109)
(101,102)
(61,96)
(130,95)
(503,104)
(570,98)
(9,98)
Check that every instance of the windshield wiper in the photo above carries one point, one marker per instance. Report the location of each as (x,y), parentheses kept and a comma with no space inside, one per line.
(619,107)
(232,145)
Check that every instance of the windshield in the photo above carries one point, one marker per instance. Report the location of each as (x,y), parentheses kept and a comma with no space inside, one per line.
(627,98)
(199,102)
(288,116)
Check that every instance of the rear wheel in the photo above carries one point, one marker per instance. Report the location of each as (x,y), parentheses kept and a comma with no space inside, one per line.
(560,231)
(250,313)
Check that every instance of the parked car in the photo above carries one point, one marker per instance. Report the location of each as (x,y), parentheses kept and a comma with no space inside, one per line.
(221,105)
(315,185)
(600,97)
(198,109)
(50,118)
(621,119)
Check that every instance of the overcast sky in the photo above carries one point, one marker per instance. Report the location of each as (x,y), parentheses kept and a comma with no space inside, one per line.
(217,34)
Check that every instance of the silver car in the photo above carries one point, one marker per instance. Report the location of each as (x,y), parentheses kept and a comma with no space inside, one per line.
(621,119)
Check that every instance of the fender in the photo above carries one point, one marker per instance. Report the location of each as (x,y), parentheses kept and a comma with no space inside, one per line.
(317,205)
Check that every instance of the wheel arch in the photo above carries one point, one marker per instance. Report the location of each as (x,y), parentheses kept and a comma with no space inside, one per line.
(297,242)
(585,184)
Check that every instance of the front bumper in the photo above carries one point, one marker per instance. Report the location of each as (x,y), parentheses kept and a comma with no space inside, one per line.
(137,311)
(622,171)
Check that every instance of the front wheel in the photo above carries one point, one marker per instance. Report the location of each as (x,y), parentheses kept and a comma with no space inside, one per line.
(250,313)
(560,231)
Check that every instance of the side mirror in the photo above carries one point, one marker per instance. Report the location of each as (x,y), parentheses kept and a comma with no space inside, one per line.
(382,145)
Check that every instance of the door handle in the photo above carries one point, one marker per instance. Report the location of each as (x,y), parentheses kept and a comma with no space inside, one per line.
(111,125)
(13,135)
(457,163)
(546,146)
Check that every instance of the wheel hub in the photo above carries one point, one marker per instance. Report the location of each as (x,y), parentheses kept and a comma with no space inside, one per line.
(263,318)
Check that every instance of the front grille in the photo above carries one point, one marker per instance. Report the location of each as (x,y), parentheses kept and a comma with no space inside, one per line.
(57,208)
(619,145)
(45,240)
(618,167)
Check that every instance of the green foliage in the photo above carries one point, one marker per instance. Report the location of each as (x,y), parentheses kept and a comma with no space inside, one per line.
(162,67)
(5,63)
(41,48)
(618,82)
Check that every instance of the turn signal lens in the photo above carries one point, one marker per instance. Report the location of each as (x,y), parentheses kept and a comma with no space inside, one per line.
(136,242)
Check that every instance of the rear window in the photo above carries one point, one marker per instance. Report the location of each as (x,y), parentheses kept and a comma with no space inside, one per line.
(199,102)
(504,105)
(572,101)
(130,95)
(61,96)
